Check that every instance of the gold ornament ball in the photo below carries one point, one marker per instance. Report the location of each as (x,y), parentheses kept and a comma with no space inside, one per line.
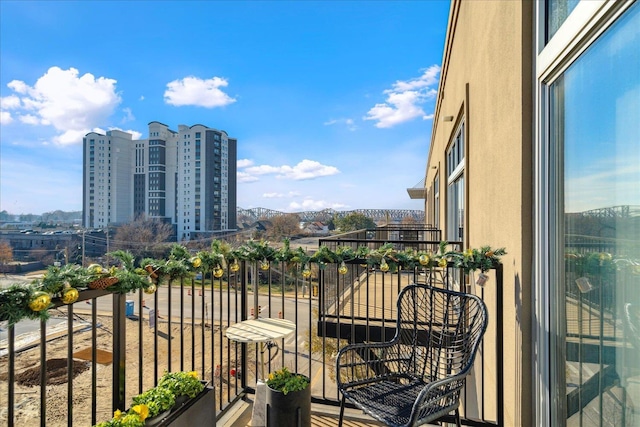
(39,301)
(70,295)
(342,269)
(150,289)
(306,273)
(196,262)
(424,259)
(95,269)
(218,272)
(384,266)
(442,263)
(235,266)
(264,265)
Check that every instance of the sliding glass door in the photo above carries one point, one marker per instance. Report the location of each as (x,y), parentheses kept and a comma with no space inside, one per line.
(594,136)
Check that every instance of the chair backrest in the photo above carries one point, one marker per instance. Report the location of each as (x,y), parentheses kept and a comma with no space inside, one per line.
(439,330)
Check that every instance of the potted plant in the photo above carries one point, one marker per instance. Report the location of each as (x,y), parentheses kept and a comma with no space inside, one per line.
(288,399)
(183,385)
(159,401)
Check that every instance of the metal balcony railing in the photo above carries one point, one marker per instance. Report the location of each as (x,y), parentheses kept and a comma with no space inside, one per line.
(126,342)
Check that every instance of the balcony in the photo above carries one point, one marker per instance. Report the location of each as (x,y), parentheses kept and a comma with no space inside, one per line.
(115,346)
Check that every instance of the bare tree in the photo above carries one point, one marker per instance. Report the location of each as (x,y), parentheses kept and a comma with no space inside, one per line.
(143,236)
(6,254)
(284,226)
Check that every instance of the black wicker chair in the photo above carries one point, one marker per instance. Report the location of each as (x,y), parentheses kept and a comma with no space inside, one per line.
(415,378)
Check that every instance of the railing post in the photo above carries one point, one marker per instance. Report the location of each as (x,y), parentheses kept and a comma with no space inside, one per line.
(119,351)
(499,343)
(11,337)
(243,316)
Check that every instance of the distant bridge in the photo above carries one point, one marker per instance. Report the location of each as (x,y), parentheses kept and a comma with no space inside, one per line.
(624,211)
(377,215)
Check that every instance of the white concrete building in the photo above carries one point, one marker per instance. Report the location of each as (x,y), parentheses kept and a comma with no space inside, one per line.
(187,178)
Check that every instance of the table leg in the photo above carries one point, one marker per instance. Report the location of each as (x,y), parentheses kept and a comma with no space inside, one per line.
(262,348)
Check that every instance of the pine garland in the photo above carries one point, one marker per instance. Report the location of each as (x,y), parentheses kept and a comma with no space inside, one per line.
(16,301)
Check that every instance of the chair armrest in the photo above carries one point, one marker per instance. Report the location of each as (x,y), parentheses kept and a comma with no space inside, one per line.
(363,363)
(438,398)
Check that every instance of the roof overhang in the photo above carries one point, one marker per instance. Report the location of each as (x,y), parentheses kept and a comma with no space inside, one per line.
(418,191)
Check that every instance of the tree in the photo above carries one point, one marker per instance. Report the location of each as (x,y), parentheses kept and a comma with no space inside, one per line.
(6,253)
(143,236)
(354,221)
(284,226)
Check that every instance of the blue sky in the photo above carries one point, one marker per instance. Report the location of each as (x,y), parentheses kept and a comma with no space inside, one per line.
(331,101)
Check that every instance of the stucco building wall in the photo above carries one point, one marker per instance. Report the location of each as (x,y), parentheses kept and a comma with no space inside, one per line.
(487,83)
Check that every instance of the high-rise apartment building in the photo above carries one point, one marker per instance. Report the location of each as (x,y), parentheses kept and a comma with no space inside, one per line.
(186,178)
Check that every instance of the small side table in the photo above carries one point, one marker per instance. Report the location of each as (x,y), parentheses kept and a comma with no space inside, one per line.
(260,331)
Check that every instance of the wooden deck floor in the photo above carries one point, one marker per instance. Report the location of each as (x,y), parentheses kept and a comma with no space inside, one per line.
(321,416)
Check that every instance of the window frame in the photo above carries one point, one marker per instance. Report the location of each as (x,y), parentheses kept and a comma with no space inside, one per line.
(456,176)
(586,23)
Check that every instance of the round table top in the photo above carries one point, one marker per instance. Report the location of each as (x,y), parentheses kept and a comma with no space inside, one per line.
(262,329)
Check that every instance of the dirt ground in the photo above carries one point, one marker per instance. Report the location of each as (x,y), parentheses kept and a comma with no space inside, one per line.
(27,370)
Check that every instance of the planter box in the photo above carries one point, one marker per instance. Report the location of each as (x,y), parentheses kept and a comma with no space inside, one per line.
(198,411)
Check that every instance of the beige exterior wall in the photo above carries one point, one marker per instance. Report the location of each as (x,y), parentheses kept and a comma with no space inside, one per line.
(487,82)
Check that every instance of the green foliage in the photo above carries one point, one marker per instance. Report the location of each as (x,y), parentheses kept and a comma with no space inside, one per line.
(157,399)
(484,258)
(354,221)
(254,250)
(285,381)
(56,278)
(14,304)
(182,383)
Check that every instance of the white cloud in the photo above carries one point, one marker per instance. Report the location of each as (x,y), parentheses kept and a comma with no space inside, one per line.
(29,119)
(243,163)
(194,91)
(280,195)
(349,123)
(404,100)
(9,102)
(5,118)
(18,86)
(128,115)
(306,169)
(71,103)
(69,137)
(245,177)
(429,78)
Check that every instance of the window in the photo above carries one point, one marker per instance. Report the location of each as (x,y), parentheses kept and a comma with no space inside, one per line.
(436,201)
(593,146)
(455,187)
(556,13)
